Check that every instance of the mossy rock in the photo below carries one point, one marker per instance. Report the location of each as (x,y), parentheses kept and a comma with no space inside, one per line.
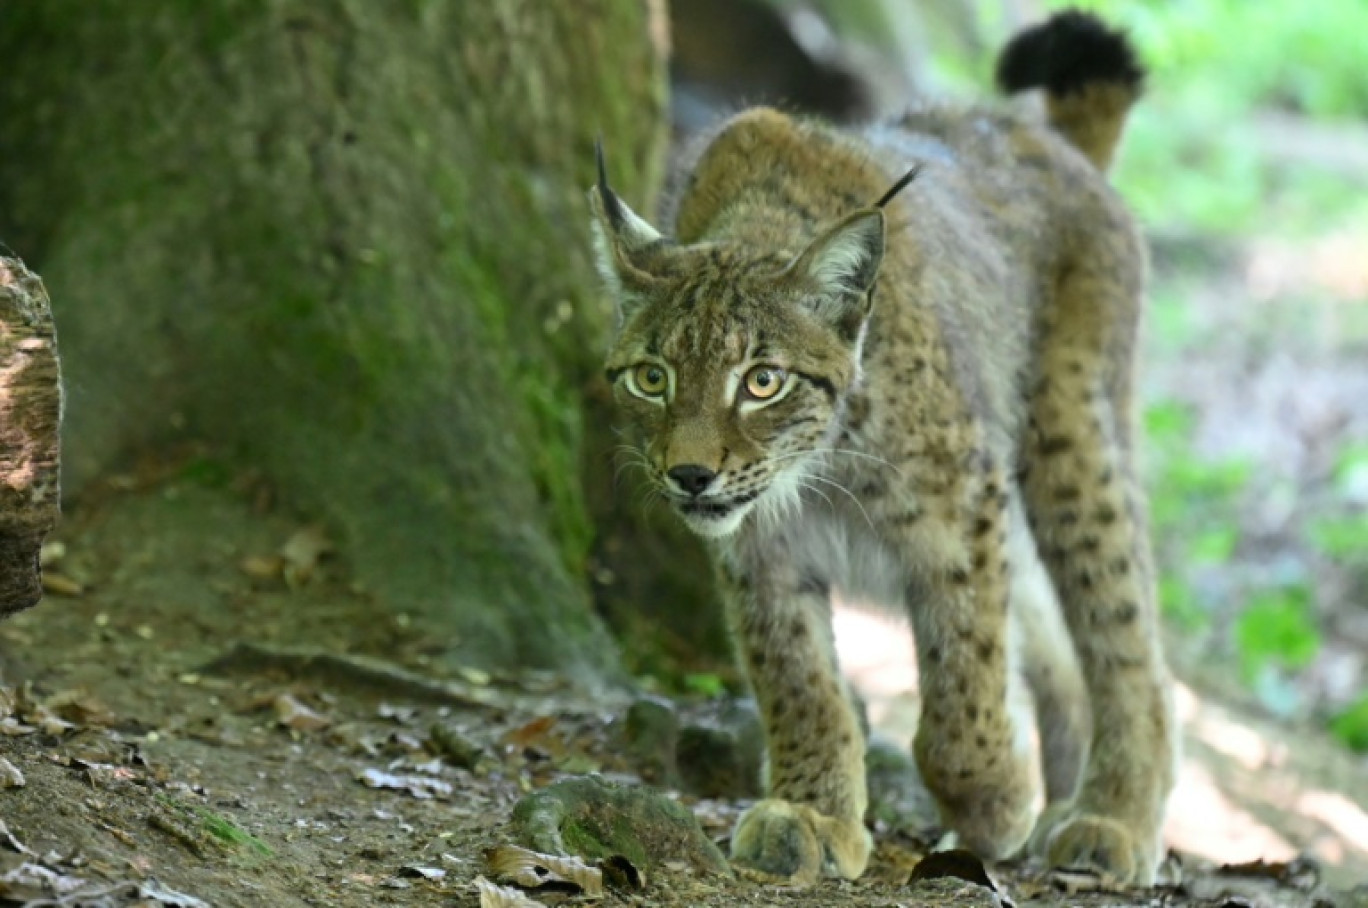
(897,795)
(595,819)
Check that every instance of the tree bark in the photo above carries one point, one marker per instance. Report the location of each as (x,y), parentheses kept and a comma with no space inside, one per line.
(30,420)
(345,242)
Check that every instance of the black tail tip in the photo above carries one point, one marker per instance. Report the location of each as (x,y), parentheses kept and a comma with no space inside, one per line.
(1070,50)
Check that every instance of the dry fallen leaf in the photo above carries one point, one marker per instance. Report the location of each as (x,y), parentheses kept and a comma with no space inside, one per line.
(476,676)
(158,894)
(61,585)
(957,863)
(12,728)
(51,552)
(79,707)
(400,714)
(10,776)
(293,714)
(420,787)
(1301,873)
(301,553)
(426,873)
(492,896)
(30,883)
(533,870)
(104,774)
(262,567)
(8,840)
(536,733)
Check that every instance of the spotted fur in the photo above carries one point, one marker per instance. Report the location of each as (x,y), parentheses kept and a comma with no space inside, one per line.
(951,434)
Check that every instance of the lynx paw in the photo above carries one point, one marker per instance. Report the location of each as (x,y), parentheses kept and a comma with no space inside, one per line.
(994,825)
(795,842)
(1071,838)
(992,810)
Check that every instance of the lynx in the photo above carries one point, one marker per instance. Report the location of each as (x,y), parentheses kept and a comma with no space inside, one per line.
(924,401)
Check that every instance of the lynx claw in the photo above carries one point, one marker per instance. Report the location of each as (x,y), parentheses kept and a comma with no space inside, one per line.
(795,843)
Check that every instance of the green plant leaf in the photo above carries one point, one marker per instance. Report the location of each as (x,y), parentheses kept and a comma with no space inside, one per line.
(1218,480)
(705,683)
(1180,604)
(1215,545)
(1276,627)
(1341,537)
(1351,726)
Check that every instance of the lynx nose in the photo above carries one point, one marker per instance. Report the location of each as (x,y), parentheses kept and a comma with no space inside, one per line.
(692,478)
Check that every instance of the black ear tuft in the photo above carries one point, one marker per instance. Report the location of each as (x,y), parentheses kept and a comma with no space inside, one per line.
(899,186)
(612,208)
(1068,52)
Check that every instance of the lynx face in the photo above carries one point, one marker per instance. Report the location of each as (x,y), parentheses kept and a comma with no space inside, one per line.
(730,385)
(730,364)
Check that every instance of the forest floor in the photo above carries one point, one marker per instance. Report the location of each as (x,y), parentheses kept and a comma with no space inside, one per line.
(147,757)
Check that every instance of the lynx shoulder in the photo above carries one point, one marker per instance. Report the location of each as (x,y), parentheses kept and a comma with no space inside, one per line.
(922,397)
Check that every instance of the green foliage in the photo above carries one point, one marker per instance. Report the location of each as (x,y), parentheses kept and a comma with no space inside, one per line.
(1214,545)
(1168,423)
(1180,604)
(1305,57)
(1341,538)
(1189,492)
(1276,628)
(210,472)
(1351,462)
(229,833)
(705,684)
(1351,726)
(1192,160)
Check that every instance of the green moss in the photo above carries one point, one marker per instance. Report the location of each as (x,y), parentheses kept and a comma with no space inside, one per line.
(594,819)
(335,246)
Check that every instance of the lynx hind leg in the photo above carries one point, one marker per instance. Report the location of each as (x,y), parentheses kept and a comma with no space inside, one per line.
(811,824)
(1046,657)
(1086,512)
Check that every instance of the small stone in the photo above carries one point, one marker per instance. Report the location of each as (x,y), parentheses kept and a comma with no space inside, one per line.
(721,751)
(650,737)
(451,743)
(897,795)
(10,776)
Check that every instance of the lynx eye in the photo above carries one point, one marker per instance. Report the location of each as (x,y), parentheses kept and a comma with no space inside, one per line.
(650,379)
(763,382)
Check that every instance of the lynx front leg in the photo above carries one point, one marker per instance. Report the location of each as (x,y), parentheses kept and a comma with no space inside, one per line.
(971,755)
(812,822)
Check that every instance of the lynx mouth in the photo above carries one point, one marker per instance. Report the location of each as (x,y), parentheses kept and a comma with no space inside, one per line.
(715,517)
(705,508)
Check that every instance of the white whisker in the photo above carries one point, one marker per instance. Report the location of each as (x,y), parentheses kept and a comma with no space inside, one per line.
(848,451)
(849,494)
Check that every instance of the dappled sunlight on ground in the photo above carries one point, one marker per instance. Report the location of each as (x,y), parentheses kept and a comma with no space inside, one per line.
(1246,789)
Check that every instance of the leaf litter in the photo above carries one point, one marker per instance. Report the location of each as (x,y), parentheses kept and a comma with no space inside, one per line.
(533,870)
(330,714)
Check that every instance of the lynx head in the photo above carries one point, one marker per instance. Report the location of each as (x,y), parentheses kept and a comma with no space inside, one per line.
(731,362)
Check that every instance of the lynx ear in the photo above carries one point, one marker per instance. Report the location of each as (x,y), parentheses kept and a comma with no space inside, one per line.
(620,234)
(838,269)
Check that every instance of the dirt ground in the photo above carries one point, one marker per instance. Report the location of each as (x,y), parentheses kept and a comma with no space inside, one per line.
(149,758)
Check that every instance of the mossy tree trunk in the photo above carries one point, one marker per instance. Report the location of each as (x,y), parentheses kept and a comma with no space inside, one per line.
(343,241)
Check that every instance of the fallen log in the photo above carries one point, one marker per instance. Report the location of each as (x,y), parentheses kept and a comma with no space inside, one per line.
(30,424)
